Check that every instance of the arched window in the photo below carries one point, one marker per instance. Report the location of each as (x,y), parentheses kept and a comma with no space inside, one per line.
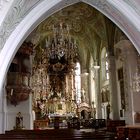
(106,67)
(78,82)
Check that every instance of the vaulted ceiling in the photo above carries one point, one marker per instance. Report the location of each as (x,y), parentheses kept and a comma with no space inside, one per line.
(88,27)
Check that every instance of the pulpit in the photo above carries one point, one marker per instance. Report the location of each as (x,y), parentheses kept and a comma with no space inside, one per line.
(18,76)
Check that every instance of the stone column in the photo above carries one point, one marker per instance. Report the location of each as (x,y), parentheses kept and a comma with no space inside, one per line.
(98,95)
(3,109)
(113,88)
(128,57)
(130,64)
(90,87)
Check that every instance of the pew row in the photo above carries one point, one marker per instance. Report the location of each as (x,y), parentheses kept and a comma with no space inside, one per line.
(131,132)
(64,134)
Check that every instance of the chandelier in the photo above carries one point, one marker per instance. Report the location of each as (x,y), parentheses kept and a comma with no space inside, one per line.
(61,46)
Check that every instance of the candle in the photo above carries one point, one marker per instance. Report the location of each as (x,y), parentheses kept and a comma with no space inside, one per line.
(12,91)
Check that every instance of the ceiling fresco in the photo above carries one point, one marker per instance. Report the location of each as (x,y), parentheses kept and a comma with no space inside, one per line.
(86,24)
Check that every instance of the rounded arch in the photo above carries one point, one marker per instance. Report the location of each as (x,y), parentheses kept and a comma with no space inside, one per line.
(116,11)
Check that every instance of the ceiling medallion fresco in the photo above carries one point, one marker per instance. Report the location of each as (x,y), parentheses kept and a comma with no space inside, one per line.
(79,16)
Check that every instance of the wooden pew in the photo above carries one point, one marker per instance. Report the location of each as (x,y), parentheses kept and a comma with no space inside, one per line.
(132,132)
(121,133)
(66,134)
(113,124)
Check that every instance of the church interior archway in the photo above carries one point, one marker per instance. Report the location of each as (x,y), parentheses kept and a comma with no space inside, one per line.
(45,66)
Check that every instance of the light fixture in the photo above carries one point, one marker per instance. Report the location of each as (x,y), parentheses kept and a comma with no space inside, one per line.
(96,67)
(60,45)
(62,53)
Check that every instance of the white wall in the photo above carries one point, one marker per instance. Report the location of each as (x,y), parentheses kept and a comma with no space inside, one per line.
(25,108)
(4,8)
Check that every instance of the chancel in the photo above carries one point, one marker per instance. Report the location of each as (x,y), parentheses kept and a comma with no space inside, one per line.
(53,71)
(68,68)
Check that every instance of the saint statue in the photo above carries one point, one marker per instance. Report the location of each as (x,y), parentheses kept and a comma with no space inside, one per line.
(19,121)
(83,98)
